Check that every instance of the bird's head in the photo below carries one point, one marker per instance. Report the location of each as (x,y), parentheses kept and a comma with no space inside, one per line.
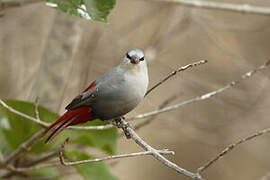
(134,56)
(134,61)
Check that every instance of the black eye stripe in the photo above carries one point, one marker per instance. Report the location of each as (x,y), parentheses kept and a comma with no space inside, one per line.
(128,56)
(141,59)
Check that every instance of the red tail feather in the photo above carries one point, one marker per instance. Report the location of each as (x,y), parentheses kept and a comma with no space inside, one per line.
(72,117)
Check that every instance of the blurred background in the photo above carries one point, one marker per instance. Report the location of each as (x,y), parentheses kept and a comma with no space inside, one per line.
(53,56)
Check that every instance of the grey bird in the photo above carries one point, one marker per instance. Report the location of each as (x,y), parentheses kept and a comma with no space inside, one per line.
(110,96)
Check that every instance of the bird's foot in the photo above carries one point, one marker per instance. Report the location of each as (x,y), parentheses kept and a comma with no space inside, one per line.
(123,125)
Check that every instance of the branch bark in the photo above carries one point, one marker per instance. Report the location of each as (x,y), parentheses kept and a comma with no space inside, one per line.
(136,138)
(230,148)
(133,135)
(135,154)
(4,4)
(22,148)
(233,7)
(173,73)
(44,124)
(204,96)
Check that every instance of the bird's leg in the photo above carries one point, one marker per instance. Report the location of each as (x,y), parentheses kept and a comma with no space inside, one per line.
(117,122)
(123,125)
(114,122)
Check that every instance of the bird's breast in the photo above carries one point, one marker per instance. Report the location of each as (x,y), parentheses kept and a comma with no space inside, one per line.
(119,96)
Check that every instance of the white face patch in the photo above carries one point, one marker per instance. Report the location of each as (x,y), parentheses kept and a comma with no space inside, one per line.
(136,53)
(134,56)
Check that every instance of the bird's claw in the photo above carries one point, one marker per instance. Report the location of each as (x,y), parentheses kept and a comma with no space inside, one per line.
(123,125)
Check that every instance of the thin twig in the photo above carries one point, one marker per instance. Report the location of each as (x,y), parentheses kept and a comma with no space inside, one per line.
(151,113)
(174,73)
(33,165)
(23,147)
(43,158)
(16,3)
(135,154)
(266,176)
(201,97)
(239,8)
(109,126)
(150,119)
(32,168)
(230,148)
(36,109)
(44,124)
(12,173)
(135,137)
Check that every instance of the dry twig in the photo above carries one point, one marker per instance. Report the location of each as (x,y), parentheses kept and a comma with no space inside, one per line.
(201,97)
(43,158)
(4,4)
(135,137)
(173,73)
(151,113)
(266,176)
(127,128)
(31,168)
(150,119)
(240,8)
(36,109)
(44,124)
(23,147)
(230,148)
(63,162)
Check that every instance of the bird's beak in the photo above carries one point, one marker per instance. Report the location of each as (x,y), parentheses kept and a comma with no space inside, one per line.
(135,60)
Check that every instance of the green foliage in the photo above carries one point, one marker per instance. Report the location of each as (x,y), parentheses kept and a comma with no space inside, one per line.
(15,130)
(104,140)
(48,173)
(95,171)
(97,10)
(4,148)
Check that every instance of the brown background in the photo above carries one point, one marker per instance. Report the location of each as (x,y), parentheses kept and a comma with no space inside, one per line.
(53,56)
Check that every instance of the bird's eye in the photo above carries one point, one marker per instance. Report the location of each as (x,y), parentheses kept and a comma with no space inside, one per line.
(128,56)
(141,59)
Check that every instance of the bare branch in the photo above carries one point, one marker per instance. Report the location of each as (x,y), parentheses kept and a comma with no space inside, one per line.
(43,158)
(266,176)
(5,163)
(151,113)
(174,73)
(230,148)
(62,160)
(132,134)
(201,97)
(135,137)
(239,8)
(44,124)
(23,147)
(36,109)
(12,172)
(16,3)
(32,165)
(151,118)
(32,168)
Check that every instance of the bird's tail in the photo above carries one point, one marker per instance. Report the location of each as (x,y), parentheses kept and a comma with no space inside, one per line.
(71,117)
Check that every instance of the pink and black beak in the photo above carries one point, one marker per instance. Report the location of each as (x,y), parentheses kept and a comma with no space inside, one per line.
(134,59)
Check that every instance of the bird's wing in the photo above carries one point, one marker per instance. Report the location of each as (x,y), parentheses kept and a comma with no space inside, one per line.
(84,98)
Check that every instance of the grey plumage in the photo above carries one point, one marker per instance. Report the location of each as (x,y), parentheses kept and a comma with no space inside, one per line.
(118,91)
